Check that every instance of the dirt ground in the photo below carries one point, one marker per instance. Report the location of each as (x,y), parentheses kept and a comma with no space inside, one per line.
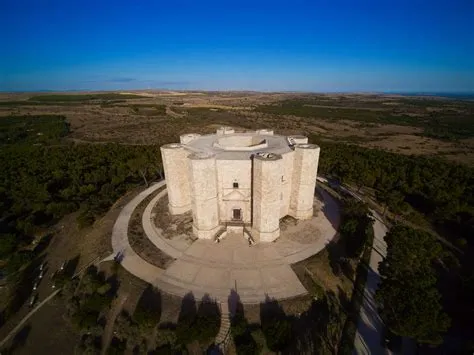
(48,332)
(320,268)
(173,227)
(306,231)
(140,242)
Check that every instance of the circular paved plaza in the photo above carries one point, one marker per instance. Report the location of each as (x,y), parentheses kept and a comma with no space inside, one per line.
(205,267)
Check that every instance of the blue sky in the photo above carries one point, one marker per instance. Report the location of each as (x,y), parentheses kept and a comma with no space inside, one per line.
(331,45)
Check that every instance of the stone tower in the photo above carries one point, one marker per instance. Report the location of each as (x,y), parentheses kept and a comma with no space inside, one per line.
(305,168)
(266,196)
(203,181)
(175,165)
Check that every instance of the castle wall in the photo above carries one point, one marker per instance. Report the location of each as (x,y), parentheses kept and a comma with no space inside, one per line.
(305,168)
(267,173)
(203,182)
(228,172)
(287,177)
(175,165)
(189,137)
(201,175)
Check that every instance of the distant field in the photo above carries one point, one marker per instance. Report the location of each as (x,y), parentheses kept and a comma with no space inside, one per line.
(406,125)
(443,119)
(84,97)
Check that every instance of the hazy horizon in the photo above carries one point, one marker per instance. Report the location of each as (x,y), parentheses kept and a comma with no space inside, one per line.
(319,46)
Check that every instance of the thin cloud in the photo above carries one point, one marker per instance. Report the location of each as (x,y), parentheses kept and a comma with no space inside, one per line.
(121,80)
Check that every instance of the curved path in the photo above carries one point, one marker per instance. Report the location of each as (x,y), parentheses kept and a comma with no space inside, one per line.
(121,246)
(214,269)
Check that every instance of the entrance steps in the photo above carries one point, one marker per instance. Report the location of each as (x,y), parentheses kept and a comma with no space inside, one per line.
(224,337)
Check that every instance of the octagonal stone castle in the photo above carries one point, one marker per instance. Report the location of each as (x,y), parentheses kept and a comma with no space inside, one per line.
(244,182)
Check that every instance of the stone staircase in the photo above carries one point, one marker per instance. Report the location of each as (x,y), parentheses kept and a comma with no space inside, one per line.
(224,337)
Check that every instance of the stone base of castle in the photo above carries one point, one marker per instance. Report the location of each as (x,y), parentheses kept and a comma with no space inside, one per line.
(259,236)
(300,214)
(206,234)
(174,210)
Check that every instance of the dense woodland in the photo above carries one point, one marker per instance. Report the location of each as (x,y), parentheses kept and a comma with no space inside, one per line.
(409,185)
(408,296)
(42,180)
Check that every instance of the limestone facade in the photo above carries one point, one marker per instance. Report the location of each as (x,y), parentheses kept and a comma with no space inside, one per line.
(243,181)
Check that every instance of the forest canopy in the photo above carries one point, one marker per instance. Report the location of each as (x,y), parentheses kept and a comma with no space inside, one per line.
(441,190)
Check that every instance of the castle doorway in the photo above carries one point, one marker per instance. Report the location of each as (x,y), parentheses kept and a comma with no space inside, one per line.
(236,214)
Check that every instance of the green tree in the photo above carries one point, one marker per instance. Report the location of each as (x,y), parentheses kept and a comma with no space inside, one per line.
(8,244)
(409,300)
(356,226)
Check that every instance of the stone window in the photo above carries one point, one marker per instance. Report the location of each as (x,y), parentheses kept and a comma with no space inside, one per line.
(235,185)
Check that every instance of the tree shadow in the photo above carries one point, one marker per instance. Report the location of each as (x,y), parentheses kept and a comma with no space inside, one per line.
(24,286)
(343,299)
(339,262)
(188,307)
(114,283)
(43,244)
(197,324)
(234,304)
(149,305)
(319,327)
(19,340)
(186,317)
(305,339)
(331,209)
(276,325)
(71,266)
(208,320)
(241,330)
(335,249)
(117,346)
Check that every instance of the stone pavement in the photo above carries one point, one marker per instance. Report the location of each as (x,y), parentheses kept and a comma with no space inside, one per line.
(214,269)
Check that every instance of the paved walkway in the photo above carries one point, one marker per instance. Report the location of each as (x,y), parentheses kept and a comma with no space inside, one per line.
(370,328)
(214,269)
(121,247)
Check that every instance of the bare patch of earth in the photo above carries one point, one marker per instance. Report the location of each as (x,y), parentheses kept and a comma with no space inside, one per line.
(320,269)
(140,242)
(179,227)
(304,232)
(47,332)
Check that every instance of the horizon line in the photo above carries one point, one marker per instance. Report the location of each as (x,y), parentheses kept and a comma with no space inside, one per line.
(400,92)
